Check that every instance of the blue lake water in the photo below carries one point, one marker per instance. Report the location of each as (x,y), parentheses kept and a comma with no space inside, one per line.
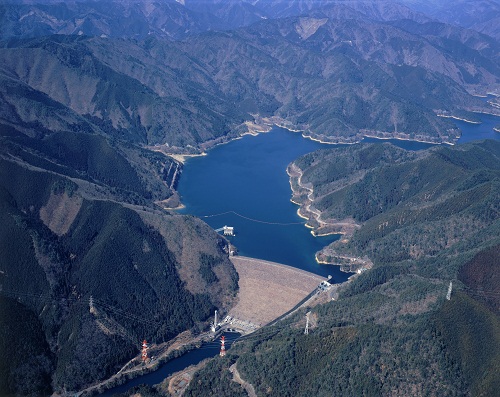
(248,176)
(474,132)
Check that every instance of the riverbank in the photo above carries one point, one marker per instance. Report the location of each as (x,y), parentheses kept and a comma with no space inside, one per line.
(267,290)
(347,263)
(159,354)
(262,125)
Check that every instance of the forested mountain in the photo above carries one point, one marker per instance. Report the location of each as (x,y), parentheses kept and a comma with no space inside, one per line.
(336,77)
(391,331)
(78,221)
(94,95)
(479,15)
(407,205)
(168,18)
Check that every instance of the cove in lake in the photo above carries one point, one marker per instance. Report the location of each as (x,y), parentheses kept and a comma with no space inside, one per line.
(473,132)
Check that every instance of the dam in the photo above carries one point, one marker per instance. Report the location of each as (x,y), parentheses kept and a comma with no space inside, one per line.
(267,291)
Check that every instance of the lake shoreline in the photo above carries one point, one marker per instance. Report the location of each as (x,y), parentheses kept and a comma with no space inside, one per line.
(354,139)
(302,196)
(267,124)
(263,125)
(445,116)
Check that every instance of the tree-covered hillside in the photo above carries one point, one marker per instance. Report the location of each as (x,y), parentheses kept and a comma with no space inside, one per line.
(95,96)
(86,275)
(338,74)
(391,331)
(409,204)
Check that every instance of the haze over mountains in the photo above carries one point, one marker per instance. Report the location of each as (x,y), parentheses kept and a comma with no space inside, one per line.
(176,19)
(341,67)
(95,95)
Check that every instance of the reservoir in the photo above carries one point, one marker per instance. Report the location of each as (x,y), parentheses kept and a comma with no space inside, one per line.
(244,184)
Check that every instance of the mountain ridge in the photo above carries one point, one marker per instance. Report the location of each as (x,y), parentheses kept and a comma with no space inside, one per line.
(190,99)
(93,263)
(392,329)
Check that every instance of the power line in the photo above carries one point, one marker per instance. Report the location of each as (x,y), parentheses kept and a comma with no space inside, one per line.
(125,314)
(259,335)
(254,220)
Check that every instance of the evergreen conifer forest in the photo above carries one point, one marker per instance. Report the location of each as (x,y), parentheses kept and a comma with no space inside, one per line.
(99,101)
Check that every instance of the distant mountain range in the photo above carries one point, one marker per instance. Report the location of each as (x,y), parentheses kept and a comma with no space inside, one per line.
(337,74)
(95,96)
(480,15)
(177,19)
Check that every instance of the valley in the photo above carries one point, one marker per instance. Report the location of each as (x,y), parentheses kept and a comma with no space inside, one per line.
(267,291)
(335,137)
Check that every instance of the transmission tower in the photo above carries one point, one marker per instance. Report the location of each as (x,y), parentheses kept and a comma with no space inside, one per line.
(448,295)
(214,324)
(144,355)
(306,330)
(91,305)
(222,346)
